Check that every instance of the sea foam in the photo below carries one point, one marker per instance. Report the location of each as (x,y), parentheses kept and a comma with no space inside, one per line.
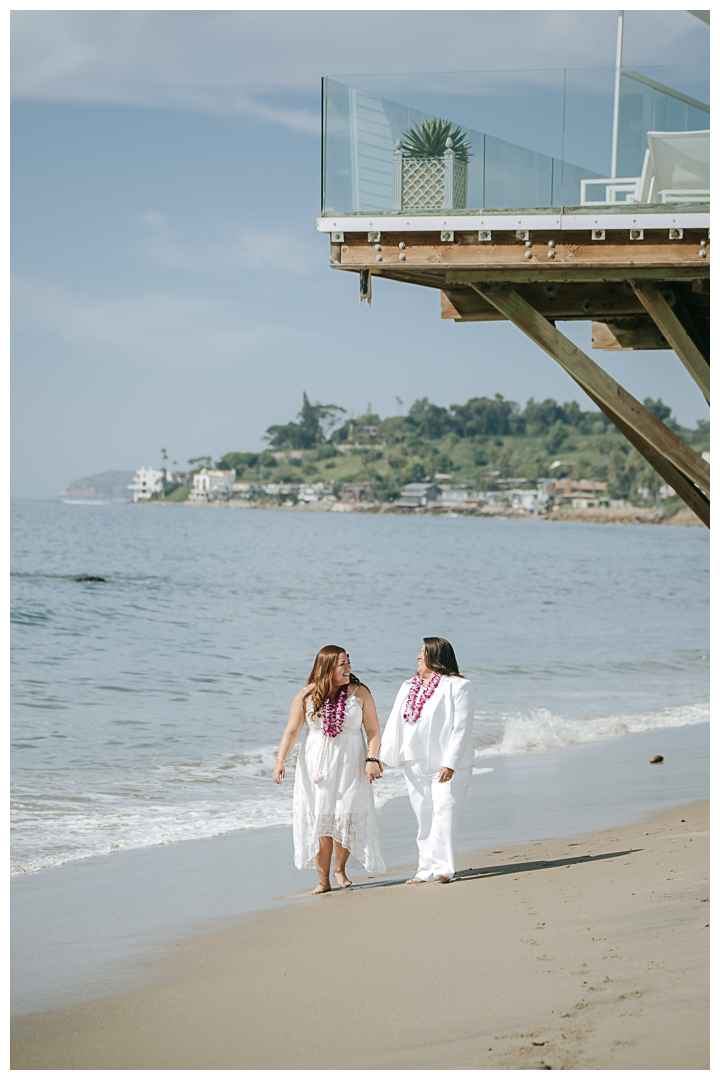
(49,832)
(541,730)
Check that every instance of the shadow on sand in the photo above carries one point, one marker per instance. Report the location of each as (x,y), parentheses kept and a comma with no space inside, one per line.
(504,868)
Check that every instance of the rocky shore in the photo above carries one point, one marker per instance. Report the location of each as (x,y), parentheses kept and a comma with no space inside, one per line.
(625,515)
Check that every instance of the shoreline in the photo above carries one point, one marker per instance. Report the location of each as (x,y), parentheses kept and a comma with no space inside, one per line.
(590,953)
(88,928)
(631,515)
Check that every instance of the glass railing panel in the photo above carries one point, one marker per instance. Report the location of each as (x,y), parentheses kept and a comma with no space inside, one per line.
(533,140)
(515,176)
(659,99)
(589,97)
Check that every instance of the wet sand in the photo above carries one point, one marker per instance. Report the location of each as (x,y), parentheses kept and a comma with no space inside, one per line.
(582,953)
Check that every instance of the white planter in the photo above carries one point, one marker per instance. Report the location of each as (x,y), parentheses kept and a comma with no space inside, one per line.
(429,183)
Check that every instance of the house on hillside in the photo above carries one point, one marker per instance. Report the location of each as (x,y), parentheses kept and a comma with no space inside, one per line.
(212,484)
(146,483)
(353,493)
(313,492)
(424,494)
(245,489)
(452,497)
(578,494)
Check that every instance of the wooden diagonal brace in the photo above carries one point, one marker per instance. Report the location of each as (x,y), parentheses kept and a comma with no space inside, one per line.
(601,386)
(691,495)
(673,331)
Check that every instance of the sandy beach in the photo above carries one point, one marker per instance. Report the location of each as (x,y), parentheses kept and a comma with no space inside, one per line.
(584,953)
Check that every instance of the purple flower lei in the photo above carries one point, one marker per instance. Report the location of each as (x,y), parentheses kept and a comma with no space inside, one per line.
(417,697)
(333,713)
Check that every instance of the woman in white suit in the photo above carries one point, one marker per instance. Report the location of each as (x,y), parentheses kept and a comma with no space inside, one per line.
(429,733)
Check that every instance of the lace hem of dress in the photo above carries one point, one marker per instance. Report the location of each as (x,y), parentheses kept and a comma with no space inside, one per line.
(343,830)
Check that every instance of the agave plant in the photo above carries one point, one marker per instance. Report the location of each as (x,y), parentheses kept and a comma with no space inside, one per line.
(429,139)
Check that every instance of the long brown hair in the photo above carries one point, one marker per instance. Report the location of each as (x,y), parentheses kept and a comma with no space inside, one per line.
(321,675)
(440,656)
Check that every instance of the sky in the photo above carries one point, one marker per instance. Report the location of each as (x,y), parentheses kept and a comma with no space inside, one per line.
(169,287)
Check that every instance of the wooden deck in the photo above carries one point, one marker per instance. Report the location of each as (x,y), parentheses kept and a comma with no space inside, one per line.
(641,288)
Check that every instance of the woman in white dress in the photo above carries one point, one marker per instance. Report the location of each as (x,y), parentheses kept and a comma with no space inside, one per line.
(429,733)
(333,805)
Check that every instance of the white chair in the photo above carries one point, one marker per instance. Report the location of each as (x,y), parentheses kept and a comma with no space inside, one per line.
(631,186)
(676,168)
(680,164)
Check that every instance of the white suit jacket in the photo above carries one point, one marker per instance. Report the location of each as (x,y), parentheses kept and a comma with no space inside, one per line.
(441,736)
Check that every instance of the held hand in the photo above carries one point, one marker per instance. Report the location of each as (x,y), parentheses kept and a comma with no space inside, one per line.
(279,772)
(445,774)
(373,771)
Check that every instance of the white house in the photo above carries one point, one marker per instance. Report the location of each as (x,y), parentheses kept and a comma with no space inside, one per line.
(456,496)
(146,483)
(211,484)
(245,489)
(313,492)
(281,489)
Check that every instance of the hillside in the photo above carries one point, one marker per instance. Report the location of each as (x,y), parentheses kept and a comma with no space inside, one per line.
(106,485)
(484,441)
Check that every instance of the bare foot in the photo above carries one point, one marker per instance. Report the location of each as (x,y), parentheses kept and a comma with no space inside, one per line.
(442,879)
(323,886)
(342,879)
(415,881)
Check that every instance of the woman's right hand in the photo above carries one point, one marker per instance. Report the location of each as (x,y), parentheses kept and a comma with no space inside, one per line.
(279,771)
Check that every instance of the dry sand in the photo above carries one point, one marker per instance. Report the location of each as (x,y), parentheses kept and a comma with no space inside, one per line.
(578,954)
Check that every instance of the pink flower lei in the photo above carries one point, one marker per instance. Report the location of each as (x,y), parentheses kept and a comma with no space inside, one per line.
(333,713)
(417,697)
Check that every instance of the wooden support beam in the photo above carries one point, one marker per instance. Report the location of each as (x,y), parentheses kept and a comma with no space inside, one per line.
(673,330)
(627,332)
(601,386)
(553,251)
(691,495)
(695,321)
(578,273)
(594,299)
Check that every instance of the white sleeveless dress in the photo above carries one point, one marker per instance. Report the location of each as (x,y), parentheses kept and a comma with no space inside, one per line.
(341,805)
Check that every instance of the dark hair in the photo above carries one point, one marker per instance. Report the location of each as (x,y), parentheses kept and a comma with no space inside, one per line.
(440,656)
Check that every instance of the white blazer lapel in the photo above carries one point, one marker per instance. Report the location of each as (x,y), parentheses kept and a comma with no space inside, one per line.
(431,705)
(420,742)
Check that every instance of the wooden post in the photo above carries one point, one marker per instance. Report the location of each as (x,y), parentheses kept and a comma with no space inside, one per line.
(651,437)
(673,331)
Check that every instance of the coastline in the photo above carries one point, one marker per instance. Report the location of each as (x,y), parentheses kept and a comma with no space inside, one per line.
(93,928)
(600,515)
(590,953)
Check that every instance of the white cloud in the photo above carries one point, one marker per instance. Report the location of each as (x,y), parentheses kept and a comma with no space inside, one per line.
(230,249)
(162,329)
(234,62)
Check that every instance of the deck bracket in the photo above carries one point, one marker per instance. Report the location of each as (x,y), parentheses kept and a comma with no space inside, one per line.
(673,330)
(661,447)
(366,287)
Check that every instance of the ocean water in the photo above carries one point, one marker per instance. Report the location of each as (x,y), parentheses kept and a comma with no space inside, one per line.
(148,708)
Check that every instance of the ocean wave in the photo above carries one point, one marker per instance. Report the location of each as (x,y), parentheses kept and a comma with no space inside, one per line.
(79,822)
(101,831)
(541,730)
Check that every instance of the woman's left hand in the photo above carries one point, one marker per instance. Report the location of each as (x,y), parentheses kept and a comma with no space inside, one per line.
(373,771)
(445,775)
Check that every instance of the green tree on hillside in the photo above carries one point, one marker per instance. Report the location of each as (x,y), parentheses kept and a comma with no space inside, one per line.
(488,416)
(658,408)
(311,429)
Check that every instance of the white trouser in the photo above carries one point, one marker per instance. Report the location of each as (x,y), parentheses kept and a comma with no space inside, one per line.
(438,809)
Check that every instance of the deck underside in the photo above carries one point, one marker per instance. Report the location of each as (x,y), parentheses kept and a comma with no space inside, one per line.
(640,289)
